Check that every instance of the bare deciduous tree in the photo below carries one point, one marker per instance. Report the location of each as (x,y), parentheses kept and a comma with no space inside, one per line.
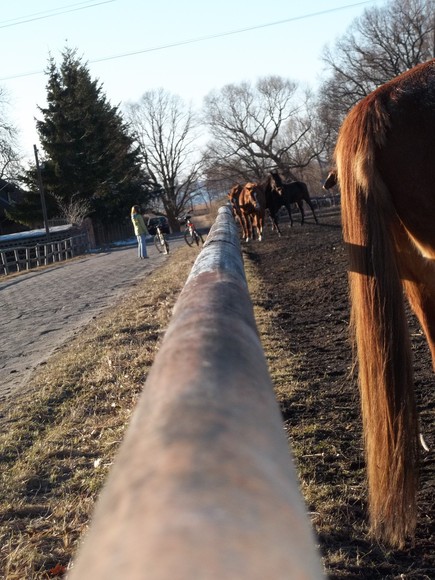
(75,209)
(258,128)
(381,44)
(9,158)
(166,131)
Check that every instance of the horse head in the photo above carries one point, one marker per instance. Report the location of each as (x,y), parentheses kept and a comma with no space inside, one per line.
(249,193)
(331,180)
(276,183)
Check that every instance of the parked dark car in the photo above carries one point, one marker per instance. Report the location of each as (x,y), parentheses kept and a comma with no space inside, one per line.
(159,220)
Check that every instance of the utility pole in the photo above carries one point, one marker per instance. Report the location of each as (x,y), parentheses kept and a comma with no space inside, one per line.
(41,191)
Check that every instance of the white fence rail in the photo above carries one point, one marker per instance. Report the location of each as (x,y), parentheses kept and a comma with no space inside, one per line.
(24,258)
(204,487)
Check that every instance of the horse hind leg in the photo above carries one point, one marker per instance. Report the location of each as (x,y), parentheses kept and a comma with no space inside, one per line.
(260,225)
(288,207)
(301,209)
(418,275)
(252,228)
(249,229)
(245,230)
(309,202)
(256,228)
(242,226)
(275,225)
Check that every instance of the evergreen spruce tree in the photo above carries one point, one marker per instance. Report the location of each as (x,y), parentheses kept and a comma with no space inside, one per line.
(88,152)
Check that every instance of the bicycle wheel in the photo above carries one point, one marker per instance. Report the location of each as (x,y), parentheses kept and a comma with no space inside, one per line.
(188,238)
(161,244)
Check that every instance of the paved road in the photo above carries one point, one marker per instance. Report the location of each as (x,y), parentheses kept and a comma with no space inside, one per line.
(40,310)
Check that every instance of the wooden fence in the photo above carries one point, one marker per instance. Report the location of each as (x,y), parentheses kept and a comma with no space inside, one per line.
(204,487)
(105,234)
(17,259)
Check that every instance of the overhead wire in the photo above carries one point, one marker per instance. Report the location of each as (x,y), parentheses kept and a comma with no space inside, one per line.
(47,13)
(208,36)
(231,32)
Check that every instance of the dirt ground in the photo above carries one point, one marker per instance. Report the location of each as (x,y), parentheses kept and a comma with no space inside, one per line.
(305,294)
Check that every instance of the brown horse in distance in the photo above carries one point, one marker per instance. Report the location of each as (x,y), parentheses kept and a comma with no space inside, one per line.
(273,201)
(233,196)
(252,204)
(385,159)
(292,192)
(247,209)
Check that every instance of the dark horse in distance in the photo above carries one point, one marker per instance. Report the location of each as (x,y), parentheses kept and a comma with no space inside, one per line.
(385,167)
(284,194)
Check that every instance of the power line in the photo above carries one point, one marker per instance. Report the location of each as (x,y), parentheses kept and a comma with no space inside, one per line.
(229,33)
(46,13)
(207,37)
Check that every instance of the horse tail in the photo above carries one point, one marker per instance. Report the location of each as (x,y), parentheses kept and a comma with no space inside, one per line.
(378,324)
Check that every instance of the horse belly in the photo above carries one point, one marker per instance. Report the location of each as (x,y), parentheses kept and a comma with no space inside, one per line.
(407,167)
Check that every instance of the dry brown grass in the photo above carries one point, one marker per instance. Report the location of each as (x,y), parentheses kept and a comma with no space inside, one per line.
(60,438)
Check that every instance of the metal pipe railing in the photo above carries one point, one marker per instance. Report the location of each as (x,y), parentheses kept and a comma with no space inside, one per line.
(203,487)
(19,258)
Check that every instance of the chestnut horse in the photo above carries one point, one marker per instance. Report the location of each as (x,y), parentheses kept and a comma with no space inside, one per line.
(385,159)
(252,203)
(247,208)
(233,196)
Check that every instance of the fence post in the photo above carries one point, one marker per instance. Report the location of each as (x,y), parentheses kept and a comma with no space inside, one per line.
(17,259)
(28,259)
(4,260)
(203,487)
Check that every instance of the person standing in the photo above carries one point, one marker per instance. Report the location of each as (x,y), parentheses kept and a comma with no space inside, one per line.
(140,231)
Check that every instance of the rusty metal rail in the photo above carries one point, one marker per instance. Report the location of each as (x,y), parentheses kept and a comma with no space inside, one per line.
(203,487)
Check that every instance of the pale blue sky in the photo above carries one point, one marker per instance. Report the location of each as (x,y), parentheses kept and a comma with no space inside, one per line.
(102,29)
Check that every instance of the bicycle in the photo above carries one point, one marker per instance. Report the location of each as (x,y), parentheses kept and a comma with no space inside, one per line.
(160,241)
(191,234)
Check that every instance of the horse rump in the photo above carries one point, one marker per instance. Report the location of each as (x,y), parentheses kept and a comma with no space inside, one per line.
(384,158)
